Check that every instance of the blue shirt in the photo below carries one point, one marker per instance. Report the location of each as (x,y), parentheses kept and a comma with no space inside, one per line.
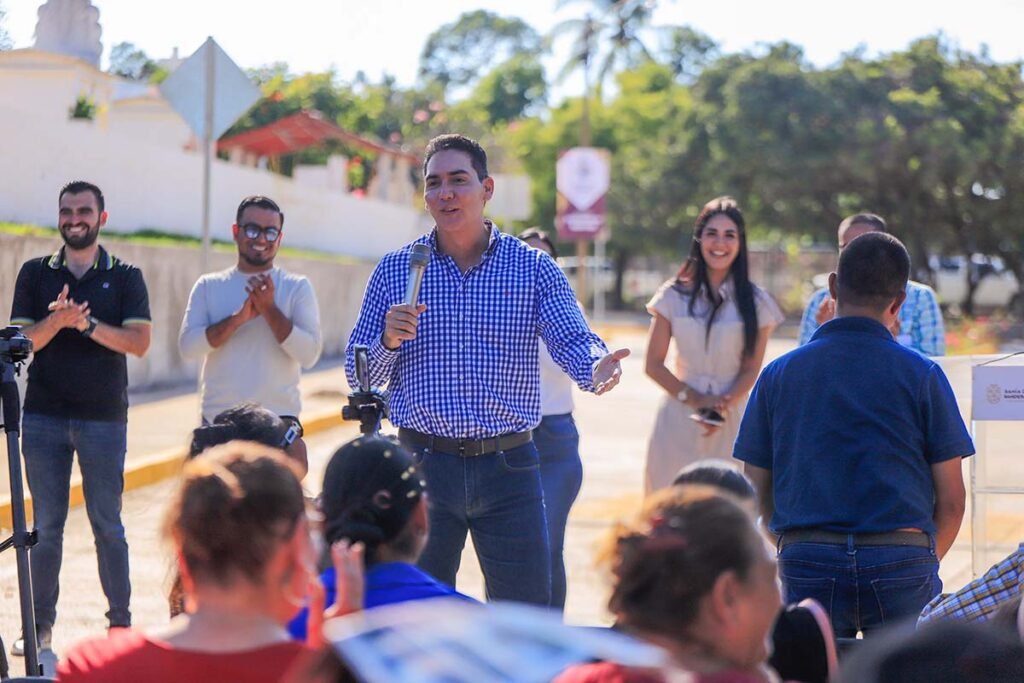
(473,371)
(850,425)
(386,584)
(921,326)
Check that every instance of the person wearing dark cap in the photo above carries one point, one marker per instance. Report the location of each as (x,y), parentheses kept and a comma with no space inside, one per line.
(243,422)
(373,494)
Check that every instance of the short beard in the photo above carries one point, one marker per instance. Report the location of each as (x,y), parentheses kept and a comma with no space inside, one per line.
(256,263)
(83,242)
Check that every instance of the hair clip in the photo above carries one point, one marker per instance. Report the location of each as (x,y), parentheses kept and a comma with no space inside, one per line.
(382,499)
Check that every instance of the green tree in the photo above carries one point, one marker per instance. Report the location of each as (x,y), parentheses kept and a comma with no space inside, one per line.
(654,169)
(130,62)
(460,53)
(511,90)
(686,51)
(610,36)
(5,38)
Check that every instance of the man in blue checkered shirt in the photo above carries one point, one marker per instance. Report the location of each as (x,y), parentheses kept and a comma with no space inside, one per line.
(463,371)
(919,325)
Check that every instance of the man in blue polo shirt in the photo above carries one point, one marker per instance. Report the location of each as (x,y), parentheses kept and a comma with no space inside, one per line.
(854,444)
(84,310)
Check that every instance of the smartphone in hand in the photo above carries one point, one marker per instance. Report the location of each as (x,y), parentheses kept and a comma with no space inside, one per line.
(708,416)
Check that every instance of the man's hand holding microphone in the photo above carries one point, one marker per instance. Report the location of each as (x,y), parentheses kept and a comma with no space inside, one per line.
(401,319)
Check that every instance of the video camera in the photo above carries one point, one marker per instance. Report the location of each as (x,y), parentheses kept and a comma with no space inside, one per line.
(14,346)
(367,404)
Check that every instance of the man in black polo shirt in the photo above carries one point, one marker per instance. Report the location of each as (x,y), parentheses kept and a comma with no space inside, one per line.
(84,310)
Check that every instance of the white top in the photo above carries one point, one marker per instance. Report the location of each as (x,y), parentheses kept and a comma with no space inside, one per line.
(710,363)
(251,365)
(706,363)
(555,385)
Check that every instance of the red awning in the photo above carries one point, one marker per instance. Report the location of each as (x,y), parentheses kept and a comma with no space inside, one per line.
(300,131)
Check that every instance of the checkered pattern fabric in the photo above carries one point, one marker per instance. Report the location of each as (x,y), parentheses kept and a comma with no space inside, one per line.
(473,371)
(921,326)
(978,600)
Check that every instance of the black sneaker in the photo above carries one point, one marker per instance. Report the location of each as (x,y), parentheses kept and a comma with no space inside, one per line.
(44,636)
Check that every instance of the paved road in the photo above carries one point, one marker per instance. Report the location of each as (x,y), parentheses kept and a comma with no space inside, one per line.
(614,430)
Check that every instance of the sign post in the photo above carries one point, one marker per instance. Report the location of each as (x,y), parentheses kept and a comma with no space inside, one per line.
(210,92)
(582,179)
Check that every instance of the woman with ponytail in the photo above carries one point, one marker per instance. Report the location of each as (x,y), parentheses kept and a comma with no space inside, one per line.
(720,323)
(374,496)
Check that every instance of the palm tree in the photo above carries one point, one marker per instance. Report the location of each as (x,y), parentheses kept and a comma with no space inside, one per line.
(609,34)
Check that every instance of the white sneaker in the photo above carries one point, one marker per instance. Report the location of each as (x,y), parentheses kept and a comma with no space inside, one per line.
(43,639)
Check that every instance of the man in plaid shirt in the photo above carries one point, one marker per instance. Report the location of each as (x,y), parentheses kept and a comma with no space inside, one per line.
(980,599)
(920,321)
(463,371)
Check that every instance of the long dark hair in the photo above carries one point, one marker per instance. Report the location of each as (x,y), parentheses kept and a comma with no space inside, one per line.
(692,278)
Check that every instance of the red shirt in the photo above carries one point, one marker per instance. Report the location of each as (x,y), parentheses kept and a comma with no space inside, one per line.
(132,657)
(609,672)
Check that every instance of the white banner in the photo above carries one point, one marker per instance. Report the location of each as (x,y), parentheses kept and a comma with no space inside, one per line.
(997,392)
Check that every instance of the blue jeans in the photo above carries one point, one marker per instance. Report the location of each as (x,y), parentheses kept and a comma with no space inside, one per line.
(49,444)
(561,475)
(497,498)
(863,588)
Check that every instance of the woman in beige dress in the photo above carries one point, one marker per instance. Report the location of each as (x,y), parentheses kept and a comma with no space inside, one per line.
(720,322)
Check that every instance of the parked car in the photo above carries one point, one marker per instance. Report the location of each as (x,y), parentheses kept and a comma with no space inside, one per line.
(997,286)
(605,274)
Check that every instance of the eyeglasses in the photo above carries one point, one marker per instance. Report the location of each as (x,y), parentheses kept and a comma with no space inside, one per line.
(253,232)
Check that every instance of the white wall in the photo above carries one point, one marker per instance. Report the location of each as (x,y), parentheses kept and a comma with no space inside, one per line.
(149,185)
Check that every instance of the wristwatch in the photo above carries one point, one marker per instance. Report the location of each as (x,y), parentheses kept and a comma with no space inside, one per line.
(683,395)
(87,332)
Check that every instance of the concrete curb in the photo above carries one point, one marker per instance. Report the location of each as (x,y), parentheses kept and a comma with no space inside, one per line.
(151,469)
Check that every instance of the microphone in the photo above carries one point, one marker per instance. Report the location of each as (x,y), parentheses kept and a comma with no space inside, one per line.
(419,257)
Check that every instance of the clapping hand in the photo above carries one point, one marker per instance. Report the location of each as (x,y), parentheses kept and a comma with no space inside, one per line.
(67,313)
(260,289)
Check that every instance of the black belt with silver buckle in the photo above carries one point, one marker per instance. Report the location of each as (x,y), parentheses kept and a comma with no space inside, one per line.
(917,539)
(467,448)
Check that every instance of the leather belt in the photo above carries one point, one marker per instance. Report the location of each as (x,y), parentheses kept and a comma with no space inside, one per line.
(917,539)
(467,448)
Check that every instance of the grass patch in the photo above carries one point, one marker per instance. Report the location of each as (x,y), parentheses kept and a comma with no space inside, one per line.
(158,238)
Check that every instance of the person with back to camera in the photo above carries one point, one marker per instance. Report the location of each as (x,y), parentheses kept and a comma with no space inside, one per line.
(854,443)
(720,323)
(239,531)
(244,422)
(693,575)
(558,443)
(373,495)
(803,644)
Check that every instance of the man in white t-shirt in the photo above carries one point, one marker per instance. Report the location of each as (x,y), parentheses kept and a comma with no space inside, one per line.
(254,325)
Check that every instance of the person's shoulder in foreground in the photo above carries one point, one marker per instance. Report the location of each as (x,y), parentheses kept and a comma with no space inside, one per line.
(610,672)
(131,656)
(393,582)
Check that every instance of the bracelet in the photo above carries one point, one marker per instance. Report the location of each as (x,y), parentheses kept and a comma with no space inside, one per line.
(87,332)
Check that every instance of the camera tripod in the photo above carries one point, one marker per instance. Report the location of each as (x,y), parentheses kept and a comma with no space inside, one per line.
(14,349)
